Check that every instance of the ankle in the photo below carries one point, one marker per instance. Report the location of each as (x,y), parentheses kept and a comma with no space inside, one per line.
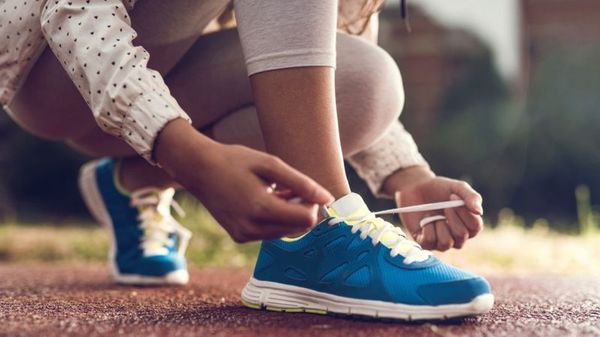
(132,174)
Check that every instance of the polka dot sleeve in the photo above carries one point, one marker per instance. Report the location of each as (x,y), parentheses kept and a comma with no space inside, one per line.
(93,41)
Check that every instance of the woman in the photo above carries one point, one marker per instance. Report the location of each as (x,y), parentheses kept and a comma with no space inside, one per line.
(270,85)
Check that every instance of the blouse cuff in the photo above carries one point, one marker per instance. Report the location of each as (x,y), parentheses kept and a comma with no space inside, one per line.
(145,106)
(394,151)
(141,136)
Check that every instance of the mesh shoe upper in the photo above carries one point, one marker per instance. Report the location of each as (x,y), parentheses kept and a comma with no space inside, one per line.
(146,241)
(333,259)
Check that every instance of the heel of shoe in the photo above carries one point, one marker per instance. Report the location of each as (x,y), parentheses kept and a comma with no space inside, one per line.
(88,188)
(90,193)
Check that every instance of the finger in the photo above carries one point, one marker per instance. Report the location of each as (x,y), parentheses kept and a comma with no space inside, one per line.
(260,230)
(458,230)
(410,220)
(428,237)
(473,222)
(284,194)
(295,216)
(473,200)
(275,170)
(444,238)
(264,230)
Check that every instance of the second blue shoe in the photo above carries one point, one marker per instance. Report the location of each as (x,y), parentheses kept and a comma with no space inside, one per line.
(148,244)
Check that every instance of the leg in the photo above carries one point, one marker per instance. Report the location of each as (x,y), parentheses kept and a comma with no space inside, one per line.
(147,242)
(369,91)
(368,87)
(167,31)
(369,96)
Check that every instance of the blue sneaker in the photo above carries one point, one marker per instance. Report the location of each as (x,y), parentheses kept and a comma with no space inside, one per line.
(357,264)
(148,244)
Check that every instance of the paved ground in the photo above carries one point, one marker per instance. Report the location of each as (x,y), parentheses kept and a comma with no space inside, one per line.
(49,300)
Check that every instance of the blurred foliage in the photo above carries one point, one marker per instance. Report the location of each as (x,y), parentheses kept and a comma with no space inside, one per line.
(528,155)
(77,241)
(493,252)
(37,178)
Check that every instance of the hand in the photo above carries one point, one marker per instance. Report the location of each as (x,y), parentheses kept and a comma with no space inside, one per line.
(418,186)
(233,182)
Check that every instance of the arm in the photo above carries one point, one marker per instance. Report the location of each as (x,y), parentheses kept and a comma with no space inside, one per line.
(132,102)
(393,167)
(94,45)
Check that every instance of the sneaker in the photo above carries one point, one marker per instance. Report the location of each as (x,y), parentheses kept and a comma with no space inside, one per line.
(355,263)
(147,243)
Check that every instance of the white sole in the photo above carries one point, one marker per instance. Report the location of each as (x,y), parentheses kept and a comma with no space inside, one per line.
(286,298)
(93,200)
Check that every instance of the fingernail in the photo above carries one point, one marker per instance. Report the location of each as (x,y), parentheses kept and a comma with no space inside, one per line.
(479,209)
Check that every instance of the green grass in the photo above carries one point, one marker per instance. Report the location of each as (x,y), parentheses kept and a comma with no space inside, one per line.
(508,248)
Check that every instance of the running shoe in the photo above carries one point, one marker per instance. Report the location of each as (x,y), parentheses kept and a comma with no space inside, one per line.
(147,243)
(355,263)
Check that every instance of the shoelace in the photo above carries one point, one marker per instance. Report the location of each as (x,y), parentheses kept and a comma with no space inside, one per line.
(156,221)
(376,227)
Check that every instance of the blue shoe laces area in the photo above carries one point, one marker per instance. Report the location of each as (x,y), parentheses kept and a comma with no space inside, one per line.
(156,222)
(389,235)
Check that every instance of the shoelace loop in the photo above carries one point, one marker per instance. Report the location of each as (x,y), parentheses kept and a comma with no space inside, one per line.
(156,221)
(370,223)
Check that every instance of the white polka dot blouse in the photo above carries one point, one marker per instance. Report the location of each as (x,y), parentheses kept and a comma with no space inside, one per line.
(93,40)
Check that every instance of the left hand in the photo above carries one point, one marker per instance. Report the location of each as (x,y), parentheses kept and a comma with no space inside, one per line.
(418,185)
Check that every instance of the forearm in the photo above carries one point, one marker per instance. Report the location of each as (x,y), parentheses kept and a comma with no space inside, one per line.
(175,144)
(406,177)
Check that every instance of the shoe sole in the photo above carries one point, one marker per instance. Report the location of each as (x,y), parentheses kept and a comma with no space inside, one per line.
(93,200)
(286,298)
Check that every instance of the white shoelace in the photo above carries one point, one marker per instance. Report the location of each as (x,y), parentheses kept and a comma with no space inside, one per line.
(371,225)
(156,221)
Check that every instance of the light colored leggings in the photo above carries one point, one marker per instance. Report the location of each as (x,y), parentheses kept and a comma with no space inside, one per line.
(209,80)
(368,91)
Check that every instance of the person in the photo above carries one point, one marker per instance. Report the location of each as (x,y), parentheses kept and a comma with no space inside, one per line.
(254,121)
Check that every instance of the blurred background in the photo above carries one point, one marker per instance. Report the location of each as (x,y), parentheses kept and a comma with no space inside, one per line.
(503,94)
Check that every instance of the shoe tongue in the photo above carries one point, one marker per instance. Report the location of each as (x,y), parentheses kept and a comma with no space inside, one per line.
(353,206)
(350,205)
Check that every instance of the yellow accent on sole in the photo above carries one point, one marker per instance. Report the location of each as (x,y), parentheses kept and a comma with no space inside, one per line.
(296,238)
(251,305)
(280,309)
(316,311)
(270,308)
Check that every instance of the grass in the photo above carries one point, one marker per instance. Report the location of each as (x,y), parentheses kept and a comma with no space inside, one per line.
(508,248)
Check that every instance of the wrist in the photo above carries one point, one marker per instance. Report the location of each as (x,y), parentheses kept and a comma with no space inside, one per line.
(179,146)
(405,177)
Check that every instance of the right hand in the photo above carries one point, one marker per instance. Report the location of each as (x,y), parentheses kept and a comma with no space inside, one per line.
(233,183)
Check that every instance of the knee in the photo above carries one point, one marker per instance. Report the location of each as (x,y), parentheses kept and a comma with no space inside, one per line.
(96,143)
(369,89)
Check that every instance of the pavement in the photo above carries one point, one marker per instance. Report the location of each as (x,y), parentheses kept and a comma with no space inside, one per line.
(80,300)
